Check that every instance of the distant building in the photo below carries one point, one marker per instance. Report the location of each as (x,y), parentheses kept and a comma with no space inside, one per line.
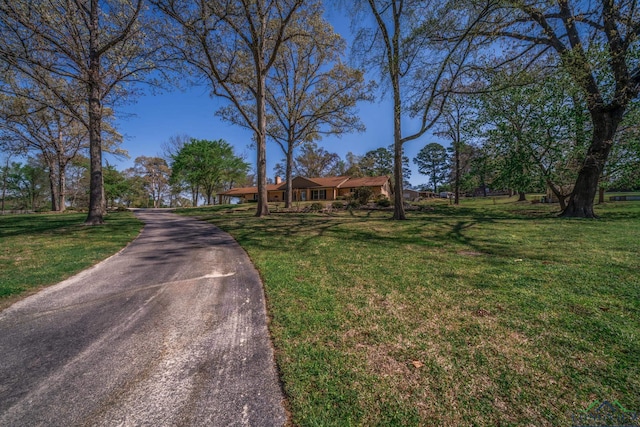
(409,194)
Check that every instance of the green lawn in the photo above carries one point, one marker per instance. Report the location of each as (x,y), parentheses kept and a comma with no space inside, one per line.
(491,313)
(43,249)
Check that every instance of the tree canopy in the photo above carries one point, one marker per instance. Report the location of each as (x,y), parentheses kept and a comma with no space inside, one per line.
(84,55)
(594,42)
(432,160)
(553,86)
(207,166)
(234,45)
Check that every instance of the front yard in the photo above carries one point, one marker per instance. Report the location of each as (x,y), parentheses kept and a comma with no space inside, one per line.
(492,313)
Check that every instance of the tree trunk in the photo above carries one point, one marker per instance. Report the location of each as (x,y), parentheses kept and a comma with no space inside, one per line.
(393,59)
(398,207)
(32,198)
(261,142)
(62,184)
(522,196)
(61,167)
(484,185)
(289,177)
(556,192)
(53,180)
(601,195)
(605,124)
(194,196)
(434,179)
(96,204)
(457,173)
(5,177)
(53,186)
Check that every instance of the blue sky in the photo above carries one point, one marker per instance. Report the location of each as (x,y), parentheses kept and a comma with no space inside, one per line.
(153,119)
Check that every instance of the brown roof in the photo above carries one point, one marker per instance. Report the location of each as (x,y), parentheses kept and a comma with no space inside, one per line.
(328,182)
(366,181)
(304,182)
(248,190)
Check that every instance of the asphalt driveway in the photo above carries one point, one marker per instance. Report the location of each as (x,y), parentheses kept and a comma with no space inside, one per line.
(169,332)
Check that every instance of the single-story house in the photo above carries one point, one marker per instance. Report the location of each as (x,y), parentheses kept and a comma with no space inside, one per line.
(329,188)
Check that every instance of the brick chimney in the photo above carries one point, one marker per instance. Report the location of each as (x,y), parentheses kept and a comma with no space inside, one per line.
(278,180)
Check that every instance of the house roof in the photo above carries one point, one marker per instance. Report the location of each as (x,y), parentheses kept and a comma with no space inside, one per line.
(304,182)
(366,181)
(249,190)
(326,182)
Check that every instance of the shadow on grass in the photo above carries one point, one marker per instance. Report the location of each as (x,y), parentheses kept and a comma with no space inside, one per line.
(16,225)
(56,223)
(298,233)
(460,228)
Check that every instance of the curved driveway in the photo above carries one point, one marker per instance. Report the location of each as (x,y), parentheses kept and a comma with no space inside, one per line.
(169,332)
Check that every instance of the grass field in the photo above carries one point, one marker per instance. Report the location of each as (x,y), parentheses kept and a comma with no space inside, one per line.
(491,313)
(43,249)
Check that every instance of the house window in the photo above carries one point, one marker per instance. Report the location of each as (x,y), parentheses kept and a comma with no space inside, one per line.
(318,194)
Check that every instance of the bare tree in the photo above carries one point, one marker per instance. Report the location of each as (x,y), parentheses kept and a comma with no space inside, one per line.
(405,44)
(57,138)
(451,126)
(306,98)
(173,145)
(170,148)
(314,161)
(99,46)
(155,174)
(29,126)
(310,92)
(5,178)
(233,45)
